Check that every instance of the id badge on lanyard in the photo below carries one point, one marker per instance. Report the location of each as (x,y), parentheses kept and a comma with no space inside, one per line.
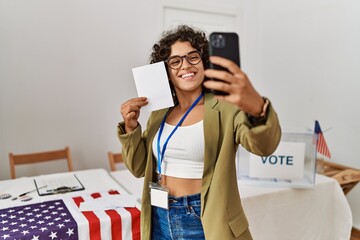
(159,195)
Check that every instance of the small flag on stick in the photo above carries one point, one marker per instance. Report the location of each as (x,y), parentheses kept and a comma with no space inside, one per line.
(321,146)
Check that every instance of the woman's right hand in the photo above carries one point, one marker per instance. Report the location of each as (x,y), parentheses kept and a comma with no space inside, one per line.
(130,111)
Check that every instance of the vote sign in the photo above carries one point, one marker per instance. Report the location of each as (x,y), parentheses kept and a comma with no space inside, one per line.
(287,162)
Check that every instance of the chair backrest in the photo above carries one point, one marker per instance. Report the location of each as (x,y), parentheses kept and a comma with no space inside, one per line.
(113,159)
(17,159)
(346,176)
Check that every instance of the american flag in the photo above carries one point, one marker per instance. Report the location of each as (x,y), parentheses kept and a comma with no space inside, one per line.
(62,219)
(321,146)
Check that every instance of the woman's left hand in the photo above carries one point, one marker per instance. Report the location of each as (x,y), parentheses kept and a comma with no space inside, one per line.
(236,84)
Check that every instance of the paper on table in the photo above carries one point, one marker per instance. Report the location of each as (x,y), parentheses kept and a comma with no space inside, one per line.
(151,81)
(57,183)
(108,202)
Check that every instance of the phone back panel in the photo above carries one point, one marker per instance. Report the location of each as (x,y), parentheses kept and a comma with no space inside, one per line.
(224,44)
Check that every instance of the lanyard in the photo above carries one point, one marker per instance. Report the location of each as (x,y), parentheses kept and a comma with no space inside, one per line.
(161,156)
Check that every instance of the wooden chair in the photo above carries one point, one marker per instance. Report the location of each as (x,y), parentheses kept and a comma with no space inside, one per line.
(113,159)
(347,177)
(17,159)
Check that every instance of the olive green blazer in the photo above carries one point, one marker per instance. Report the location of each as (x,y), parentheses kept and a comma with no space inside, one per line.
(225,127)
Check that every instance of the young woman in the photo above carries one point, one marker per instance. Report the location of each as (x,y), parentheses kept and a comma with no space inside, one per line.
(187,152)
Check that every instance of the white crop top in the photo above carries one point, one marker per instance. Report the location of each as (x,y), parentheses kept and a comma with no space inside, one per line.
(184,154)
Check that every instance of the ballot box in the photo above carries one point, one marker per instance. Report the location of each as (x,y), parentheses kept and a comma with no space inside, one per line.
(293,164)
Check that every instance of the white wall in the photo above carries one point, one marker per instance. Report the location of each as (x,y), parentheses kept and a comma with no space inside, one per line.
(65,68)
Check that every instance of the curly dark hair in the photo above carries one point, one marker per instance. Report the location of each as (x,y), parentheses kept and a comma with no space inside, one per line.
(183,33)
(197,38)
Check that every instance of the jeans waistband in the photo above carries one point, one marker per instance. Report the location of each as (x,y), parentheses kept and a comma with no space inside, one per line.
(185,200)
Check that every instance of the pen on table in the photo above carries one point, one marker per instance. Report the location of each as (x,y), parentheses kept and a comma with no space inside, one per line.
(25,193)
(62,189)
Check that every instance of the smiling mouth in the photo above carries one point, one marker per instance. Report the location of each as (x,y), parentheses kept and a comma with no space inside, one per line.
(187,75)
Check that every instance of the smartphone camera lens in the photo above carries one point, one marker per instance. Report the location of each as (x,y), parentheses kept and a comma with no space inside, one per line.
(218,41)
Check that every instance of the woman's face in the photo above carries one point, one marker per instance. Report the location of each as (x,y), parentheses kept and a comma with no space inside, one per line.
(188,77)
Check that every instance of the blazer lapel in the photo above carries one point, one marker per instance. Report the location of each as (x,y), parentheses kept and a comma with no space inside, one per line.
(156,119)
(211,135)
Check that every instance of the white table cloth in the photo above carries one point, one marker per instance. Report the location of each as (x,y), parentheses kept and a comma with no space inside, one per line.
(319,213)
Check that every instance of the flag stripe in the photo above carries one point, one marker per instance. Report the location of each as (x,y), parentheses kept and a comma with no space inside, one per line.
(113,226)
(78,201)
(114,218)
(95,195)
(125,224)
(112,192)
(135,216)
(321,146)
(323,149)
(94,223)
(105,224)
(116,229)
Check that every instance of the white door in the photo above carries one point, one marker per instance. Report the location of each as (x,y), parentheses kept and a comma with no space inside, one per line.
(208,19)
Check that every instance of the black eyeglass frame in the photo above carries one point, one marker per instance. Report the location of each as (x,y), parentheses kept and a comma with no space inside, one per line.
(182,59)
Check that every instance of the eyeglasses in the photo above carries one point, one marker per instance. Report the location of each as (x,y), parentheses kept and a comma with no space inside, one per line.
(175,62)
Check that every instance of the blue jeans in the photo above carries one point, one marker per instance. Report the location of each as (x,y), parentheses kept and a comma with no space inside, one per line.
(180,222)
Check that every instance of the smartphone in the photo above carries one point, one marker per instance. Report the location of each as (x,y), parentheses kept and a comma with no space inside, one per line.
(226,45)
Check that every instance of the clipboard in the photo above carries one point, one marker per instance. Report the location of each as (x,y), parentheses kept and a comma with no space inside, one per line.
(57,184)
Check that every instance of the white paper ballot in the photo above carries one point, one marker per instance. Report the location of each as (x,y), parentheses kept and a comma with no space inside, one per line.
(151,81)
